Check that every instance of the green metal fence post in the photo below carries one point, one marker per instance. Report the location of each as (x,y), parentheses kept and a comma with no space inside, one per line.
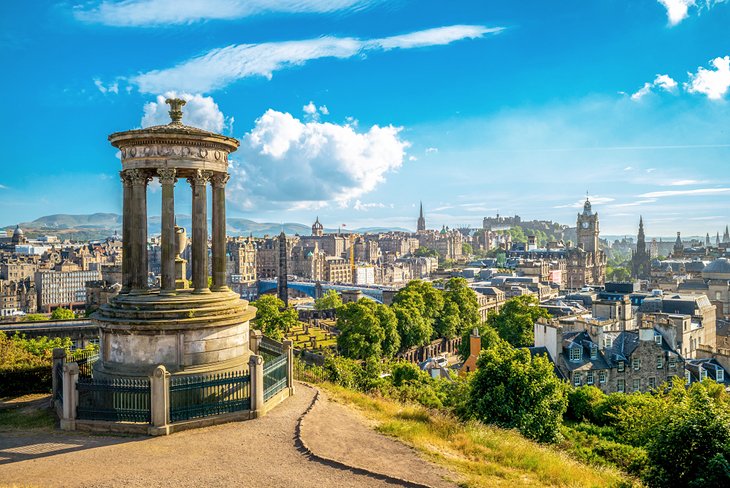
(256,370)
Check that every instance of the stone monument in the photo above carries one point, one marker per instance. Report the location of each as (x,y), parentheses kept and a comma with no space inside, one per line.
(191,331)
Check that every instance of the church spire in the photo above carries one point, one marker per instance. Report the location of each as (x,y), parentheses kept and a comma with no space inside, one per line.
(421,227)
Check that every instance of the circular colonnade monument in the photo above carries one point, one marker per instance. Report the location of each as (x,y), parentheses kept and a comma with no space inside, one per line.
(190,330)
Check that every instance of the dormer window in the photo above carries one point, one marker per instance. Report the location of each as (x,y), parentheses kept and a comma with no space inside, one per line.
(608,342)
(576,354)
(594,351)
(658,339)
(720,375)
(687,376)
(703,374)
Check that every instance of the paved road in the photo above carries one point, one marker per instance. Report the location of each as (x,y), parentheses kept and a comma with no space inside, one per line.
(259,453)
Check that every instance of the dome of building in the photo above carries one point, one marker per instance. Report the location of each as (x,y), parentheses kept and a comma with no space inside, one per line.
(18,231)
(719,269)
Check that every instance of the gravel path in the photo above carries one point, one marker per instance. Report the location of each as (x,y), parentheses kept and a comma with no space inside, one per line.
(258,453)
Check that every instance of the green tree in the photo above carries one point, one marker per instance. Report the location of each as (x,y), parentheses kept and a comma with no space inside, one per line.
(361,336)
(426,252)
(515,321)
(691,446)
(413,329)
(467,249)
(389,323)
(273,318)
(515,390)
(62,314)
(34,317)
(618,274)
(422,295)
(330,300)
(459,298)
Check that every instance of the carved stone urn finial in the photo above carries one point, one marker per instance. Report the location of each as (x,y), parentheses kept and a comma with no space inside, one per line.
(176,105)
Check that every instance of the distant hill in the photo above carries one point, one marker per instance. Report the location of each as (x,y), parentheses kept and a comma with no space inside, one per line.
(102,225)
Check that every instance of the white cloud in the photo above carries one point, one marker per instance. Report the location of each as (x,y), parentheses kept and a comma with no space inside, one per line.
(3,187)
(431,150)
(677,10)
(579,203)
(364,207)
(285,162)
(220,67)
(713,83)
(110,88)
(130,13)
(634,204)
(312,112)
(677,193)
(685,182)
(199,111)
(665,82)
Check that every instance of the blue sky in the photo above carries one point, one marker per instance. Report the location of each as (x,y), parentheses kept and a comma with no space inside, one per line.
(354,110)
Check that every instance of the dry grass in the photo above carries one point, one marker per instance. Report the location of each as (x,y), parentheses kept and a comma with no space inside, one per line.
(482,456)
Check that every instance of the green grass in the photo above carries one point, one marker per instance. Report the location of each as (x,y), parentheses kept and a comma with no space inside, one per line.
(26,419)
(303,341)
(481,455)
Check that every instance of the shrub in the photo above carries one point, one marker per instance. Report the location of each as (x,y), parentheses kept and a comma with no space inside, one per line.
(582,402)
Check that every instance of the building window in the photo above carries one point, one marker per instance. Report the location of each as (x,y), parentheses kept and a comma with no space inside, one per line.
(687,376)
(620,386)
(652,382)
(601,377)
(620,366)
(672,363)
(589,378)
(703,373)
(576,353)
(576,379)
(659,362)
(636,385)
(658,339)
(608,342)
(636,364)
(720,375)
(594,351)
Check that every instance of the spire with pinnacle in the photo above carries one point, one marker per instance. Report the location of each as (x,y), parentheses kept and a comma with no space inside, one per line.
(421,220)
(726,235)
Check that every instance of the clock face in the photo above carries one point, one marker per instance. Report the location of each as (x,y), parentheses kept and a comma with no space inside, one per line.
(585,225)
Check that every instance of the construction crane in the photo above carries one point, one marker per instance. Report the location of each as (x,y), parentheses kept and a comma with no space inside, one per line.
(352,257)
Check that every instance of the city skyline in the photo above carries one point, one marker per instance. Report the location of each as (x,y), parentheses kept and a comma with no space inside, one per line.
(357,110)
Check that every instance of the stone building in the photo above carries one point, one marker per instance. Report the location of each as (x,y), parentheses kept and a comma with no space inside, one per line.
(17,297)
(63,286)
(586,263)
(337,270)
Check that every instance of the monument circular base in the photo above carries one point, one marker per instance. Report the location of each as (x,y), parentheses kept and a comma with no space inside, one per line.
(190,334)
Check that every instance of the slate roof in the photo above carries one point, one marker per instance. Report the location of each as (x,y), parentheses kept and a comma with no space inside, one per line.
(711,365)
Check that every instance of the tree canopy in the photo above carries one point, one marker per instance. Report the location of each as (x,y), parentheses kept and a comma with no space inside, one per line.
(515,321)
(330,300)
(62,314)
(368,330)
(272,318)
(512,389)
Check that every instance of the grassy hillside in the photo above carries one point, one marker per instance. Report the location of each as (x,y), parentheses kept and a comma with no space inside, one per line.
(483,456)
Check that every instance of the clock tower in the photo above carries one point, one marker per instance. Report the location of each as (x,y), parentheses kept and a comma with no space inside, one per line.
(587,229)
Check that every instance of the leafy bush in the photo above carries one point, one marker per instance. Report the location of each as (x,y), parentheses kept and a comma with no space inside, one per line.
(582,402)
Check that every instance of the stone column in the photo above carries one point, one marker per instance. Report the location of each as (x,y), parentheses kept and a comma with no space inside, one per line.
(70,398)
(254,340)
(198,182)
(160,402)
(256,372)
(218,182)
(167,180)
(126,231)
(138,231)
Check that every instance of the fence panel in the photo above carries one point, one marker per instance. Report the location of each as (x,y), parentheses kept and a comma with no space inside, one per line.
(201,396)
(309,373)
(275,376)
(85,360)
(270,349)
(116,401)
(58,373)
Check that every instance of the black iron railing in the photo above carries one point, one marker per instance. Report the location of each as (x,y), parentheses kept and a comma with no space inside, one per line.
(116,401)
(58,374)
(85,360)
(201,396)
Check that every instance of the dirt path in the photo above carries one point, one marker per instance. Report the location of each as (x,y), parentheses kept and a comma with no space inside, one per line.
(259,453)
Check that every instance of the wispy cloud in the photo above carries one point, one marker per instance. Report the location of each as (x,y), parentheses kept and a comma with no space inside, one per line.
(581,202)
(677,193)
(685,182)
(634,204)
(678,10)
(664,82)
(364,207)
(221,67)
(148,13)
